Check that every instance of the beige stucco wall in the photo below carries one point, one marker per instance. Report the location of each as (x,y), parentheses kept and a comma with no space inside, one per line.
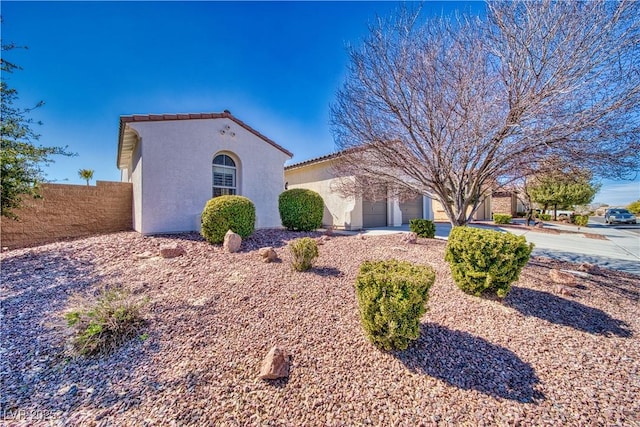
(339,212)
(176,181)
(483,212)
(69,211)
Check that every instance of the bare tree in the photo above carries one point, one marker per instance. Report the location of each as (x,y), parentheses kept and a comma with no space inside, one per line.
(457,108)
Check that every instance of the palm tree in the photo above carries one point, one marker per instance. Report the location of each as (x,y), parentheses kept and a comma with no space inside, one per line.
(86,174)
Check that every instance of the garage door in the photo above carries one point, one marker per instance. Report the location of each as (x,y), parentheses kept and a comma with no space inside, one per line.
(411,209)
(374,214)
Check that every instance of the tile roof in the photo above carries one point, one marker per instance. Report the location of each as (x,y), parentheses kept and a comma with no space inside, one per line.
(186,116)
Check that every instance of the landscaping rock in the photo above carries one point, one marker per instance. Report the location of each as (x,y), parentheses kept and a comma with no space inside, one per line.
(275,364)
(172,251)
(564,290)
(410,238)
(562,277)
(268,254)
(232,242)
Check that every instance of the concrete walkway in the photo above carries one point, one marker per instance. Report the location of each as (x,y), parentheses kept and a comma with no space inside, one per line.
(617,249)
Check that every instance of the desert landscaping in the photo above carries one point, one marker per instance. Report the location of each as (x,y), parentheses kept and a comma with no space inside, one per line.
(545,355)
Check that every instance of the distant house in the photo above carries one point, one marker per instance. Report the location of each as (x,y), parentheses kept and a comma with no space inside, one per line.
(177,162)
(352,212)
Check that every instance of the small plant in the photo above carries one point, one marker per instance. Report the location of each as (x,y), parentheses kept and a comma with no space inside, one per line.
(544,217)
(304,252)
(301,209)
(392,297)
(423,227)
(486,262)
(102,324)
(580,220)
(501,219)
(224,213)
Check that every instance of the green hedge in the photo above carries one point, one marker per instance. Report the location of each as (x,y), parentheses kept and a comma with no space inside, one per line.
(392,297)
(304,252)
(423,228)
(544,217)
(224,213)
(580,220)
(502,219)
(301,209)
(486,262)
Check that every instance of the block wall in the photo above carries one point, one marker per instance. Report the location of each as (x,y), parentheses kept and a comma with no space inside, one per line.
(68,211)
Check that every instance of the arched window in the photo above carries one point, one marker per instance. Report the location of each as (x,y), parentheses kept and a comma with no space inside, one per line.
(224,176)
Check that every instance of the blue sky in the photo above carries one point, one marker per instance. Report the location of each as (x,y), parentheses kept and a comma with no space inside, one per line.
(274,65)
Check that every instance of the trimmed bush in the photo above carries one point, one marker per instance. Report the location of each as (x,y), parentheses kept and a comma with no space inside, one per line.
(580,220)
(501,219)
(486,262)
(103,324)
(301,209)
(544,217)
(392,297)
(304,252)
(224,213)
(423,227)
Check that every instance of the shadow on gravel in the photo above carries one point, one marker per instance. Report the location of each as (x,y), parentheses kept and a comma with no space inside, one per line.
(560,311)
(471,363)
(326,271)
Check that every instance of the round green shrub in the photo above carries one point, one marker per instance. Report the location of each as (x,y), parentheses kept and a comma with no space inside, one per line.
(224,213)
(304,252)
(580,220)
(486,262)
(502,219)
(392,297)
(423,228)
(301,209)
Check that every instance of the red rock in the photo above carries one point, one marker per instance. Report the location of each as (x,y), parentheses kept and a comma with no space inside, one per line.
(232,242)
(410,238)
(562,277)
(275,364)
(268,254)
(172,251)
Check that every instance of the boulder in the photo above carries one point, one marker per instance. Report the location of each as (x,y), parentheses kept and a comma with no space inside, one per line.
(562,278)
(275,364)
(564,290)
(589,268)
(232,242)
(410,238)
(172,251)
(268,254)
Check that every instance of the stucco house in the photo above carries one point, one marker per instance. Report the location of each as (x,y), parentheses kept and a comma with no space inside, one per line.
(177,162)
(352,212)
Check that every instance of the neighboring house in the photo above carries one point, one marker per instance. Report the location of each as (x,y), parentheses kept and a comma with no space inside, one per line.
(507,203)
(177,162)
(351,212)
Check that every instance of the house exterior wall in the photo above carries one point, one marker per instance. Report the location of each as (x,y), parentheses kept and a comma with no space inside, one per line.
(503,203)
(339,212)
(342,212)
(482,213)
(177,177)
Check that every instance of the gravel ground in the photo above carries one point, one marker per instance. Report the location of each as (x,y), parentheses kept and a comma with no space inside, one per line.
(538,358)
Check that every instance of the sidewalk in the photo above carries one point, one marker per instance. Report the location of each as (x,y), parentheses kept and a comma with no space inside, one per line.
(615,249)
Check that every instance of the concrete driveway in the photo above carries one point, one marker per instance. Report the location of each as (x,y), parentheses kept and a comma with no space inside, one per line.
(605,246)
